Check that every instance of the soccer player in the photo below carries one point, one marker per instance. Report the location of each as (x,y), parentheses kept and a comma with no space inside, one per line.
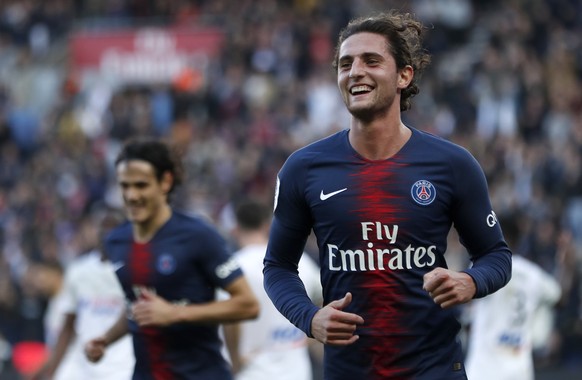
(269,347)
(91,300)
(381,198)
(46,277)
(503,325)
(169,265)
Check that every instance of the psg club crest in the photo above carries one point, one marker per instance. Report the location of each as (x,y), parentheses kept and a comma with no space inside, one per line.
(423,192)
(166,264)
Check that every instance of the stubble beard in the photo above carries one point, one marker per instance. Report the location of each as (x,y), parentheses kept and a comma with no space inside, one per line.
(374,109)
(366,114)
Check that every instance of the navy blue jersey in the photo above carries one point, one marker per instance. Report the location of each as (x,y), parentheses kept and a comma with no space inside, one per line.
(184,262)
(380,226)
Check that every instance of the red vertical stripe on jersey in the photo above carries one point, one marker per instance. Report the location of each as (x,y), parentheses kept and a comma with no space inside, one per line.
(156,349)
(142,265)
(377,204)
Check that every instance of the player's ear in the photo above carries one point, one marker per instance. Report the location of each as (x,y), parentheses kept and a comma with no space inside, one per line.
(166,182)
(405,76)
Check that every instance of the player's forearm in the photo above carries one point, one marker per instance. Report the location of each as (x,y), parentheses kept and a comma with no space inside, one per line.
(117,330)
(281,279)
(491,272)
(289,296)
(232,340)
(241,305)
(231,310)
(65,338)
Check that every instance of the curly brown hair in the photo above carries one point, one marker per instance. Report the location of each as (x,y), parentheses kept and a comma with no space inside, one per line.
(403,35)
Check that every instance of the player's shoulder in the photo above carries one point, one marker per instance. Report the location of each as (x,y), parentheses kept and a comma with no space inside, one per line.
(190,226)
(83,264)
(521,264)
(325,145)
(458,158)
(119,234)
(86,259)
(301,160)
(439,144)
(532,277)
(192,221)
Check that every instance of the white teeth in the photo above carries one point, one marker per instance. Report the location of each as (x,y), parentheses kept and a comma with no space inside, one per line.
(360,89)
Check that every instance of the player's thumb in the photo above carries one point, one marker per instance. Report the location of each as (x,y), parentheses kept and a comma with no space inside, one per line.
(343,302)
(147,294)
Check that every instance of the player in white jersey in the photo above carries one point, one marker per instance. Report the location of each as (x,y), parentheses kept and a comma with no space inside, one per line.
(47,279)
(90,300)
(500,344)
(94,297)
(269,347)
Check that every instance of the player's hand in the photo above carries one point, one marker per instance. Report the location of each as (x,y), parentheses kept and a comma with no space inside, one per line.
(330,325)
(152,310)
(449,288)
(95,349)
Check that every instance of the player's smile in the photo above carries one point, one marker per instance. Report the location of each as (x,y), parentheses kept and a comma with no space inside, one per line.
(136,211)
(360,92)
(360,89)
(134,208)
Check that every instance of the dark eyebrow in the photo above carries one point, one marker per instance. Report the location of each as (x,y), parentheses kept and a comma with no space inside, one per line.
(366,55)
(371,55)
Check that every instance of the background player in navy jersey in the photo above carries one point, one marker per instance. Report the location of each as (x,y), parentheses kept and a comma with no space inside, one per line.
(169,265)
(381,198)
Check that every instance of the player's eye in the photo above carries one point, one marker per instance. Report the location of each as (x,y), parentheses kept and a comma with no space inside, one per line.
(345,65)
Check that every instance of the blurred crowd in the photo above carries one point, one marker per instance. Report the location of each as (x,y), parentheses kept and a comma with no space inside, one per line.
(505,82)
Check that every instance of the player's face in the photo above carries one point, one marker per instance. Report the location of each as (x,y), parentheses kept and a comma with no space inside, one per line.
(144,195)
(368,78)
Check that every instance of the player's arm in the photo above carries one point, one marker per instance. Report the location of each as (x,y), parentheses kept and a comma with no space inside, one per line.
(241,305)
(281,278)
(329,324)
(68,298)
(66,336)
(153,310)
(232,341)
(95,348)
(449,288)
(290,228)
(480,233)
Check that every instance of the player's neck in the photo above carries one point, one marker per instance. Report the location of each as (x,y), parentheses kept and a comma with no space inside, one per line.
(143,232)
(379,139)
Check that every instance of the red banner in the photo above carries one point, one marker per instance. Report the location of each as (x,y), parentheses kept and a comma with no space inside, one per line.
(145,55)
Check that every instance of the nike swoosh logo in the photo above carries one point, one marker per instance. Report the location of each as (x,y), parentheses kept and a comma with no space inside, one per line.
(323,196)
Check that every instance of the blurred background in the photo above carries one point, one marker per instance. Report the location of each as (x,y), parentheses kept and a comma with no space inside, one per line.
(238,85)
